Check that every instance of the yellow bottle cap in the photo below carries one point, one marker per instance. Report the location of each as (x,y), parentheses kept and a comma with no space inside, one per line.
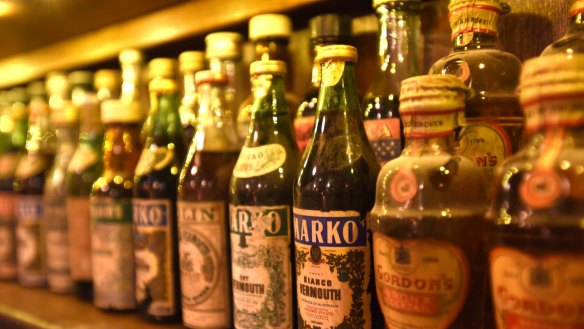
(116,111)
(191,61)
(269,25)
(340,52)
(268,67)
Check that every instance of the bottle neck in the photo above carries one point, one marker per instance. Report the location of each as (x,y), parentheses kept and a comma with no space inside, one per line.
(212,104)
(270,110)
(131,79)
(164,117)
(271,49)
(429,145)
(474,27)
(189,99)
(40,137)
(121,148)
(338,91)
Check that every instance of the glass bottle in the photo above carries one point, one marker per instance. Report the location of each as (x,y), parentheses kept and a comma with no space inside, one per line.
(154,207)
(398,51)
(112,247)
(223,52)
(536,263)
(65,122)
(190,62)
(28,186)
(327,29)
(573,41)
(494,118)
(270,34)
(84,169)
(158,68)
(427,222)
(333,192)
(13,126)
(260,207)
(131,63)
(203,197)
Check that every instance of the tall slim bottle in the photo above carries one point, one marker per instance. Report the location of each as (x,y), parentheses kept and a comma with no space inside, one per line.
(333,193)
(326,29)
(573,41)
(260,207)
(84,169)
(65,122)
(190,62)
(154,203)
(494,118)
(427,223)
(203,214)
(13,126)
(28,185)
(112,247)
(398,51)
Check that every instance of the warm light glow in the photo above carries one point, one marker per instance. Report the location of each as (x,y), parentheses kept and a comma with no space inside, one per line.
(7,8)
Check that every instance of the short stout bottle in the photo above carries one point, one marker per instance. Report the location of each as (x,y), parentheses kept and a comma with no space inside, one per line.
(29,185)
(190,62)
(14,119)
(154,202)
(427,222)
(260,208)
(398,51)
(326,29)
(494,119)
(65,122)
(110,205)
(333,193)
(84,169)
(203,217)
(536,252)
(573,40)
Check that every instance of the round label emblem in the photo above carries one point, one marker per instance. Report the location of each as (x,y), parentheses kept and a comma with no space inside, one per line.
(404,186)
(541,189)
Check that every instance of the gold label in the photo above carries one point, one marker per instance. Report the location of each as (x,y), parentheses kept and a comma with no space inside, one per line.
(475,16)
(421,284)
(332,72)
(544,291)
(203,249)
(486,143)
(303,128)
(258,161)
(79,238)
(154,158)
(83,158)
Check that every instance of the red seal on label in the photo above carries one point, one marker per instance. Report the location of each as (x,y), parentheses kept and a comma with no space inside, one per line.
(404,186)
(541,189)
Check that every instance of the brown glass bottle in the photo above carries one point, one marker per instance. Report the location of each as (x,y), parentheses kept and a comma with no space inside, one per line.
(333,192)
(112,252)
(203,220)
(154,207)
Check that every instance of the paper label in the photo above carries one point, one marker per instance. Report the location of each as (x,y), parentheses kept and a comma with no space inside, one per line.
(475,16)
(154,158)
(332,71)
(79,238)
(261,266)
(487,144)
(543,292)
(57,244)
(112,253)
(258,161)
(7,236)
(303,128)
(384,137)
(206,296)
(429,124)
(30,246)
(153,245)
(332,269)
(421,284)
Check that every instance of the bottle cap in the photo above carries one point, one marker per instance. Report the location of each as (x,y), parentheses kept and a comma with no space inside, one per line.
(56,82)
(67,113)
(268,67)
(208,76)
(107,79)
(340,52)
(80,77)
(493,5)
(377,3)
(330,26)
(191,61)
(162,67)
(116,111)
(269,25)
(223,45)
(163,85)
(576,8)
(131,56)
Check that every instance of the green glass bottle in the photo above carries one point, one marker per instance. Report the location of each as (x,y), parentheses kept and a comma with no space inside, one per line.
(112,247)
(154,203)
(203,221)
(260,206)
(333,193)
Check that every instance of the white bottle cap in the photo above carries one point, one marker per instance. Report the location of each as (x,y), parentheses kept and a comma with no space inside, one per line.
(269,25)
(223,45)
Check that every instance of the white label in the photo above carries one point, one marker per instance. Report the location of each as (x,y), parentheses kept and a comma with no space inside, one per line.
(30,242)
(258,161)
(79,238)
(205,290)
(57,245)
(112,253)
(153,254)
(261,266)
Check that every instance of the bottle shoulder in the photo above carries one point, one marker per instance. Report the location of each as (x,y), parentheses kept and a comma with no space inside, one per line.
(571,43)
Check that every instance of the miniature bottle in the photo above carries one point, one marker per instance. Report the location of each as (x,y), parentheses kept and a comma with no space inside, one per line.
(190,62)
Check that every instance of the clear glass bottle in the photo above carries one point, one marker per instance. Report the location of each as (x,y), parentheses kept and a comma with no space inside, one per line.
(203,198)
(65,122)
(28,185)
(84,169)
(112,247)
(536,263)
(333,193)
(260,207)
(327,29)
(398,51)
(495,121)
(13,126)
(573,41)
(427,223)
(154,206)
(190,62)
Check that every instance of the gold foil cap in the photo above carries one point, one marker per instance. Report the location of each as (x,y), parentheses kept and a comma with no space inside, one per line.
(208,76)
(108,79)
(191,61)
(268,67)
(433,92)
(162,67)
(224,45)
(269,25)
(339,52)
(131,56)
(116,111)
(163,85)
